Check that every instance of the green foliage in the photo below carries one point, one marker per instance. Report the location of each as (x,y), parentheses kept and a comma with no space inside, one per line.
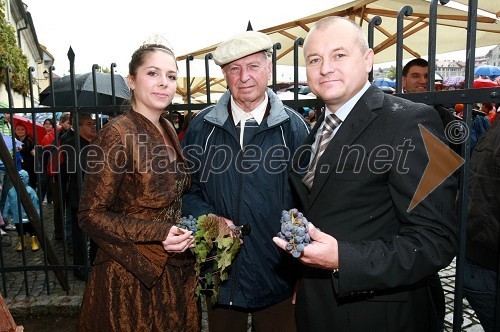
(215,249)
(392,73)
(12,56)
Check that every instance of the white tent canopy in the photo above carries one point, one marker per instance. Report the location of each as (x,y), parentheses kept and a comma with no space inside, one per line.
(451,34)
(451,29)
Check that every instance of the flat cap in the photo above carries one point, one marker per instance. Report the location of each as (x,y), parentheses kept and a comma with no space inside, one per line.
(239,46)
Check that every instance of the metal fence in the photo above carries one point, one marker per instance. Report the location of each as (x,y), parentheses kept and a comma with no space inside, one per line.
(466,96)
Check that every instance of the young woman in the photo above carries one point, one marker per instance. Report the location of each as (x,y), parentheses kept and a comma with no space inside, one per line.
(143,277)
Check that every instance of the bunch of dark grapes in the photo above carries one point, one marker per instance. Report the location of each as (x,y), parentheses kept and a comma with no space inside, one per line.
(188,223)
(294,230)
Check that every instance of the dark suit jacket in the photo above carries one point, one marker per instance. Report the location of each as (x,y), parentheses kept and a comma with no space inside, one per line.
(72,166)
(388,257)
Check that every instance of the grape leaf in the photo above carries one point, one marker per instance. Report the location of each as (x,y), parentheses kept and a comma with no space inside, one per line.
(208,278)
(225,260)
(215,249)
(225,242)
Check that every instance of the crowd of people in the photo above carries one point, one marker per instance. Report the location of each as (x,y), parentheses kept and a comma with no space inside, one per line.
(351,168)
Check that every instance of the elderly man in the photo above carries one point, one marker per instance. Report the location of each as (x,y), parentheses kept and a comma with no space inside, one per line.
(373,266)
(241,151)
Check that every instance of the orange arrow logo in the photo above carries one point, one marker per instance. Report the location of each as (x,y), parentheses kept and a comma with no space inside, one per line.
(442,163)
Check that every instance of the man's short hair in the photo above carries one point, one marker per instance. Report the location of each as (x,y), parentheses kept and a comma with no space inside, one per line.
(330,20)
(65,117)
(415,62)
(82,116)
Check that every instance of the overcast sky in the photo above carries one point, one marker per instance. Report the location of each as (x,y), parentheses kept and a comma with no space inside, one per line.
(106,31)
(109,31)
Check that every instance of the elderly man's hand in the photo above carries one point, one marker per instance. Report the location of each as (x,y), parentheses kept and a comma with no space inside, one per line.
(322,252)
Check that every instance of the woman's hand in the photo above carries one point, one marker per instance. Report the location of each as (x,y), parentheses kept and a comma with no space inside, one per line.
(178,240)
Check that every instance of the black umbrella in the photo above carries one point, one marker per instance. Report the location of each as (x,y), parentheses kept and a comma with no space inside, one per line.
(85,90)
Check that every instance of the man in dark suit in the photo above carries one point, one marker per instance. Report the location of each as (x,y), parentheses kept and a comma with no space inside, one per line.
(374,263)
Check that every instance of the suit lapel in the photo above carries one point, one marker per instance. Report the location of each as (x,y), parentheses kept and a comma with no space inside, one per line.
(355,123)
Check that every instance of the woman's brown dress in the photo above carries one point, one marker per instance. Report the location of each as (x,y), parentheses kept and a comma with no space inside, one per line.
(131,197)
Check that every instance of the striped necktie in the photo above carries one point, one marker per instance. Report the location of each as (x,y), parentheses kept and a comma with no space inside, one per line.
(322,140)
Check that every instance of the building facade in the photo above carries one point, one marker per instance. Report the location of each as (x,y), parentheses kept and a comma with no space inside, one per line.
(17,15)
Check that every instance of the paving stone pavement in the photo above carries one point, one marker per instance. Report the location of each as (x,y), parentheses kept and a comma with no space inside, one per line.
(470,321)
(45,294)
(47,297)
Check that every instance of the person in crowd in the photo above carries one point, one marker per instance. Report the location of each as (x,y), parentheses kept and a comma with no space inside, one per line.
(415,79)
(177,120)
(251,126)
(490,111)
(67,132)
(143,277)
(185,125)
(64,123)
(49,125)
(48,143)
(5,182)
(480,124)
(415,76)
(307,119)
(373,265)
(309,116)
(74,157)
(483,225)
(313,117)
(58,171)
(11,211)
(2,232)
(5,124)
(27,152)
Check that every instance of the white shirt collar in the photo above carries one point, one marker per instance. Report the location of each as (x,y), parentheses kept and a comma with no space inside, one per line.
(345,109)
(257,113)
(341,113)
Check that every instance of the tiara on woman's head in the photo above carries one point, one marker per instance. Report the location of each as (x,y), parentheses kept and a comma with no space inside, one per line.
(157,40)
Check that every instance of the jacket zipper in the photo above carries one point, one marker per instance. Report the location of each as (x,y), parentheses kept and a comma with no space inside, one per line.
(235,267)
